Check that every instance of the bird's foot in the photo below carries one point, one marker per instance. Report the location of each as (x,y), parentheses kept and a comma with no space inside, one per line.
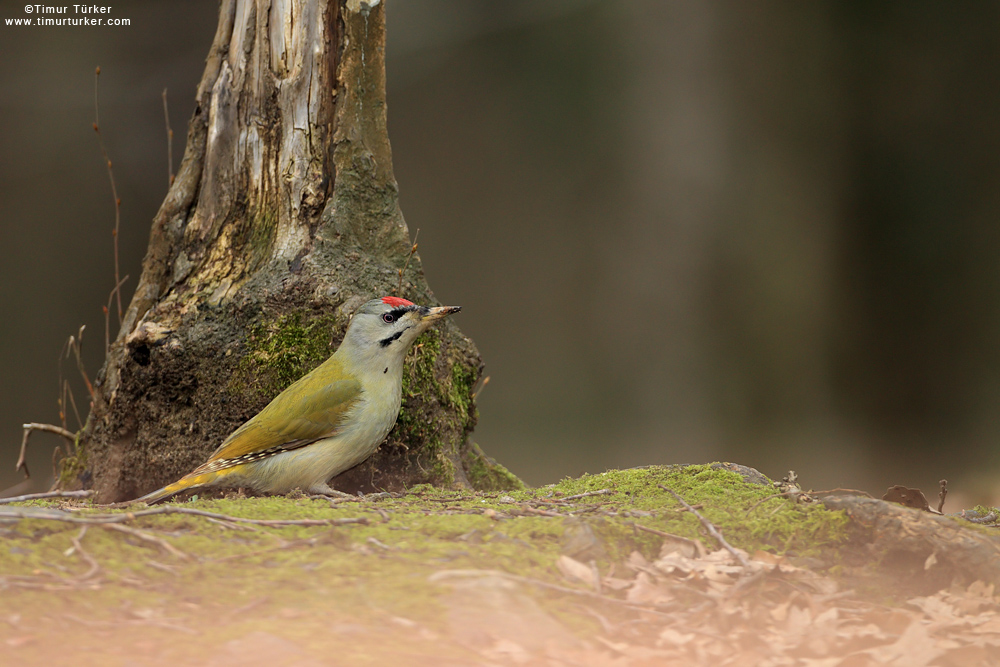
(325,491)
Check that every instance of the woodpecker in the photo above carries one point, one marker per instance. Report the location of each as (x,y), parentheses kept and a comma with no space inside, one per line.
(329,420)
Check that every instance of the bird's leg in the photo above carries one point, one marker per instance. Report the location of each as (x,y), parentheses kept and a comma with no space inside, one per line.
(324,490)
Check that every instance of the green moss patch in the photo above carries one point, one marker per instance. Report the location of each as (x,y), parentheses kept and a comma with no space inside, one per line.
(281,351)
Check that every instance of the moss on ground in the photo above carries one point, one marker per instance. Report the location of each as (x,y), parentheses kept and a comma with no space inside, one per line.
(297,582)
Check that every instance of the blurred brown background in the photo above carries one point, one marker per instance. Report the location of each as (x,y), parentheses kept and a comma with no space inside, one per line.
(680,231)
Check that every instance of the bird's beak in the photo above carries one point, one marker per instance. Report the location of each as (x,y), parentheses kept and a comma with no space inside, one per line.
(439,312)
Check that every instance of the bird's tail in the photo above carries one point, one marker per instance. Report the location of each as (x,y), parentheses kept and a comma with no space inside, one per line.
(192,481)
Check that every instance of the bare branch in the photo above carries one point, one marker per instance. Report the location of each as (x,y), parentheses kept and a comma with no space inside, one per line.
(78,548)
(143,535)
(22,463)
(103,519)
(47,494)
(602,492)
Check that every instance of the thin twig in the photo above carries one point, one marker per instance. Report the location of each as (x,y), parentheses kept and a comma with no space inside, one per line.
(170,141)
(413,249)
(72,403)
(75,346)
(988,518)
(47,494)
(142,535)
(94,566)
(49,428)
(125,517)
(654,531)
(63,390)
(450,500)
(228,525)
(698,546)
(22,463)
(162,567)
(486,381)
(602,492)
(111,177)
(57,456)
(532,510)
(712,530)
(107,310)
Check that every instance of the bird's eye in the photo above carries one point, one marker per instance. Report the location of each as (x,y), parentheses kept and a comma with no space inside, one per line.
(388,318)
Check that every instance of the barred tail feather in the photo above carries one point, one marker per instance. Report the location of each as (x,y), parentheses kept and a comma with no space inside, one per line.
(183,484)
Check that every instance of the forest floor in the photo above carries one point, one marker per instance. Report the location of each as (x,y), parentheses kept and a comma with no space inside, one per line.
(679,565)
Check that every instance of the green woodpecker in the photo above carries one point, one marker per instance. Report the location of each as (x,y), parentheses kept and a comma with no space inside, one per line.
(329,420)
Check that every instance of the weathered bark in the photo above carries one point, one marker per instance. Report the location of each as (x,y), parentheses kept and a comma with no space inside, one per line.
(283,218)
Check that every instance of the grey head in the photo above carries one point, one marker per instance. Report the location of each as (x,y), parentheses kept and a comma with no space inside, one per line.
(388,326)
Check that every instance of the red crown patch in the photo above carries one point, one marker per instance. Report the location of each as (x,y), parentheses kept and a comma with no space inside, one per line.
(396,302)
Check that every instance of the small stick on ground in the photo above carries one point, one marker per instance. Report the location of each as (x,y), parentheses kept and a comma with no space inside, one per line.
(229,525)
(698,546)
(532,510)
(22,463)
(162,567)
(602,492)
(104,519)
(142,535)
(988,519)
(653,531)
(712,530)
(94,566)
(450,500)
(47,494)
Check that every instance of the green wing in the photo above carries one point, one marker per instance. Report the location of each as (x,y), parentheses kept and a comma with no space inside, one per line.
(310,409)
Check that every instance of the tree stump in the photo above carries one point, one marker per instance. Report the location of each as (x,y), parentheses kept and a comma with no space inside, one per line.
(283,218)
